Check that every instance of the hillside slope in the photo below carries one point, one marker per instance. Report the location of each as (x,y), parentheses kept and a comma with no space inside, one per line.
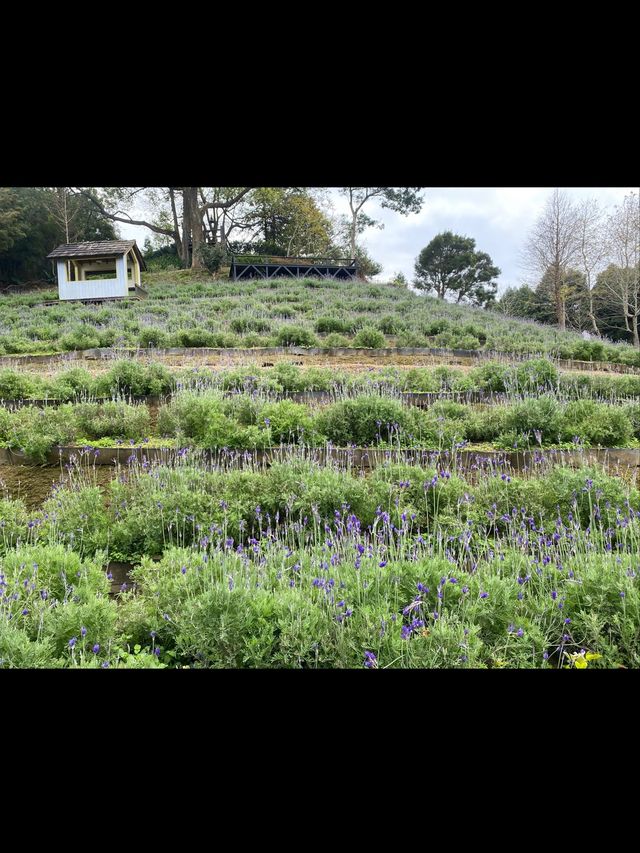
(183,309)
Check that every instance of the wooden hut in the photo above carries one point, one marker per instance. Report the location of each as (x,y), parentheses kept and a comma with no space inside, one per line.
(106,269)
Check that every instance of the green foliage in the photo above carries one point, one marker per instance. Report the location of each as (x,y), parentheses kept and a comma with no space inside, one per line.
(335,340)
(597,424)
(287,422)
(369,338)
(536,373)
(79,338)
(212,255)
(543,415)
(287,336)
(14,385)
(450,264)
(332,324)
(13,523)
(150,336)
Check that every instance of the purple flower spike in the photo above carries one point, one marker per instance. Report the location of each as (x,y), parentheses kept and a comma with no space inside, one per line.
(370,660)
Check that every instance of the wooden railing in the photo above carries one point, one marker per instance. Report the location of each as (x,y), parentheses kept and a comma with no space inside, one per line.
(284,261)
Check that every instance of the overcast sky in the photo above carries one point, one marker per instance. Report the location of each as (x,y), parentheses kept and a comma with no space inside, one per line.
(497,218)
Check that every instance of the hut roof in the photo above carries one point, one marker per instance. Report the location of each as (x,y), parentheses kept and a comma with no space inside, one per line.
(98,249)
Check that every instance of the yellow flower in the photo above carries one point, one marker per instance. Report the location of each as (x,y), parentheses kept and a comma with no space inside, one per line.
(580,659)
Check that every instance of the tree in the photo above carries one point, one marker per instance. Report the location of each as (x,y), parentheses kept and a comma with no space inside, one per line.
(289,220)
(593,248)
(27,235)
(575,297)
(623,281)
(553,245)
(76,218)
(521,302)
(450,264)
(366,265)
(34,220)
(180,212)
(403,200)
(618,286)
(13,225)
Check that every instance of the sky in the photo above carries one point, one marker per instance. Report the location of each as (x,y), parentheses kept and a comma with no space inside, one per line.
(498,218)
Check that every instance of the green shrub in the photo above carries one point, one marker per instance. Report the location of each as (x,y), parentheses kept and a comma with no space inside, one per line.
(491,376)
(390,324)
(324,325)
(112,420)
(287,422)
(212,256)
(13,523)
(287,336)
(79,338)
(71,383)
(335,340)
(195,337)
(597,424)
(16,386)
(535,373)
(367,420)
(541,415)
(369,338)
(151,336)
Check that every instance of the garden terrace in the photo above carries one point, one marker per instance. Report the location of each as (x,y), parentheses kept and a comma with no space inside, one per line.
(303,566)
(321,316)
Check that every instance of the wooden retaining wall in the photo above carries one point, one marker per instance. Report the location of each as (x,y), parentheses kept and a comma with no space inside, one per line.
(353,457)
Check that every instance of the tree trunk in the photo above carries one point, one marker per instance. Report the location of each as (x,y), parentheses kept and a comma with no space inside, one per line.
(352,235)
(186,230)
(592,314)
(559,298)
(176,236)
(196,228)
(191,228)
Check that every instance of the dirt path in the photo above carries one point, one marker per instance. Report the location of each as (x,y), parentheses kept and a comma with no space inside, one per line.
(357,362)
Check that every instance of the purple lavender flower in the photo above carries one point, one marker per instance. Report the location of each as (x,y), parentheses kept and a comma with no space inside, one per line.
(370,660)
(83,631)
(520,632)
(484,595)
(96,648)
(72,642)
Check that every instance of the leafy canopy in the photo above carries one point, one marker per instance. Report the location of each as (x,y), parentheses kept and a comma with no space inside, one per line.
(451,265)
